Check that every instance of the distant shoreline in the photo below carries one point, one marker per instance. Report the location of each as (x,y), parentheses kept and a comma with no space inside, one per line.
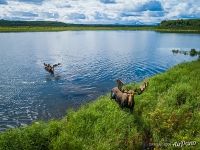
(173,26)
(68,28)
(91,28)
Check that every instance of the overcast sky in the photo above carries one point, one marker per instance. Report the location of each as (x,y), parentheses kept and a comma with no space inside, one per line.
(100,11)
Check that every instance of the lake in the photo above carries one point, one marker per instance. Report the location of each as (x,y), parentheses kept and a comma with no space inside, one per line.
(91,62)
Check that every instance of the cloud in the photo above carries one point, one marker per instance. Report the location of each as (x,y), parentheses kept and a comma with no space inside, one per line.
(147,12)
(24,14)
(61,5)
(151,6)
(50,15)
(100,11)
(76,16)
(100,15)
(3,2)
(129,14)
(31,1)
(156,13)
(184,10)
(108,1)
(144,6)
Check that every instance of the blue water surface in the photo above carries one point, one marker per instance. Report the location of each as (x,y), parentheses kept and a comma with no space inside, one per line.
(91,62)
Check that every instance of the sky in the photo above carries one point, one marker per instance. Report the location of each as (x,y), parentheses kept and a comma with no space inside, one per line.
(100,11)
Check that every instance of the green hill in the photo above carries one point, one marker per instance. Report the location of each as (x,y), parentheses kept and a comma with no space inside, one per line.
(166,114)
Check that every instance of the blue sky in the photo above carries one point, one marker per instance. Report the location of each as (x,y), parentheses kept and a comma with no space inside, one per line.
(100,11)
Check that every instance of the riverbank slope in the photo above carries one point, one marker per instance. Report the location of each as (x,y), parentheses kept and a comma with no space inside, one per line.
(166,114)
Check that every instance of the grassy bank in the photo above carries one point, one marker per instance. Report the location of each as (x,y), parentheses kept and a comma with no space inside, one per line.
(166,113)
(167,30)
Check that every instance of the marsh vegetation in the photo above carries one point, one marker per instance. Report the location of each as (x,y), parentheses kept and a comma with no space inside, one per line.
(192,52)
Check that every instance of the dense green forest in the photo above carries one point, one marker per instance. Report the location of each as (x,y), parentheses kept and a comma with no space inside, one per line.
(181,24)
(166,116)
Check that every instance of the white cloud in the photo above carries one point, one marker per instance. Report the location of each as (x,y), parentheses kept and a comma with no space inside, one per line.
(99,11)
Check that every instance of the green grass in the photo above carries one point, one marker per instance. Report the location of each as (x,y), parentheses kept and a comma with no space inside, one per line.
(167,112)
(91,28)
(176,30)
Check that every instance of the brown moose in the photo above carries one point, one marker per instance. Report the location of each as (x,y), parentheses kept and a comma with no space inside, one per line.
(124,99)
(50,68)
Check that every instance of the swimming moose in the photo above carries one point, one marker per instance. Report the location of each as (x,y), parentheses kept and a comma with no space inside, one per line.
(50,68)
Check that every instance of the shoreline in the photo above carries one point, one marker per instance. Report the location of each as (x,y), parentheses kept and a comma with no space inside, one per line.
(93,28)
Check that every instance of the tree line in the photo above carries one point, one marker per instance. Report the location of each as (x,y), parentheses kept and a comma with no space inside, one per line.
(181,24)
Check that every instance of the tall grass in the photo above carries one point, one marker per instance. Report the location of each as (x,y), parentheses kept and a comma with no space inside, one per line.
(167,112)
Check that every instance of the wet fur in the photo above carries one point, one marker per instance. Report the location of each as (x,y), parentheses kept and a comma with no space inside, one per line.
(50,68)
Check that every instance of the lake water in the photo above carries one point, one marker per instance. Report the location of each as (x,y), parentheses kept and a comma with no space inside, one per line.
(91,62)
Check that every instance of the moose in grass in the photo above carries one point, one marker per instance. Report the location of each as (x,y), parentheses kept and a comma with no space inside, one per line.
(126,98)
